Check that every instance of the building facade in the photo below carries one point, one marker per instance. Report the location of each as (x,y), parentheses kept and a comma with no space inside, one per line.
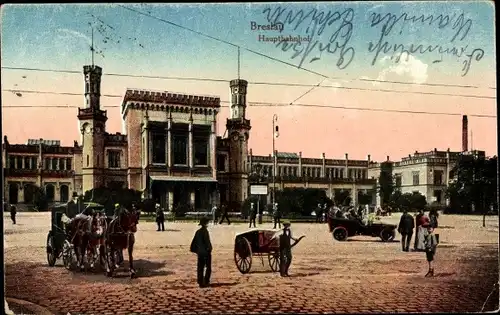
(171,152)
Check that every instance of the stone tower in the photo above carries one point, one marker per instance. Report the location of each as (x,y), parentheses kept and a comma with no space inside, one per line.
(92,127)
(238,128)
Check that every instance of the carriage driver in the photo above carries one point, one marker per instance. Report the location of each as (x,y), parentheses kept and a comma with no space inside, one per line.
(286,249)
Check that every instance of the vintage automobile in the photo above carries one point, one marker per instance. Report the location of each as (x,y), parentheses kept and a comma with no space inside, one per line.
(258,243)
(342,228)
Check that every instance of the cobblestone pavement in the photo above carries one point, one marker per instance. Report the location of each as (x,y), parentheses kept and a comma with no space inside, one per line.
(360,275)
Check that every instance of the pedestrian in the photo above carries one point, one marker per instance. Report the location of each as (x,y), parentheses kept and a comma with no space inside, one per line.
(421,222)
(276,216)
(160,218)
(253,215)
(405,228)
(214,214)
(13,212)
(431,243)
(286,249)
(202,247)
(225,215)
(318,212)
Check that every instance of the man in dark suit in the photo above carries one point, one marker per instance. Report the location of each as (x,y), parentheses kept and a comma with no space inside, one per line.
(202,247)
(253,215)
(405,228)
(160,218)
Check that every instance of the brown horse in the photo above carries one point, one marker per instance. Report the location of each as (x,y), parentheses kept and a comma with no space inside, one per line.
(120,236)
(91,243)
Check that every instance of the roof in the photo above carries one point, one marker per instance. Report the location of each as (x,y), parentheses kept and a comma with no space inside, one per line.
(54,143)
(287,155)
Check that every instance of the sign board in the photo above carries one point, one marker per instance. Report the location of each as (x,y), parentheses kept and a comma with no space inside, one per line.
(258,190)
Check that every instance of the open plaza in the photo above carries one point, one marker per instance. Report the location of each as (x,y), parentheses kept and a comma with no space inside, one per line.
(361,274)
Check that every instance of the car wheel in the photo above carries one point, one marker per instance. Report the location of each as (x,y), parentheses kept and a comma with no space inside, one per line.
(339,233)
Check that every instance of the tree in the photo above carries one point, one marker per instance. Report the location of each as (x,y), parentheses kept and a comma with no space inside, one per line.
(364,198)
(40,201)
(109,197)
(301,201)
(407,201)
(474,187)
(342,198)
(385,183)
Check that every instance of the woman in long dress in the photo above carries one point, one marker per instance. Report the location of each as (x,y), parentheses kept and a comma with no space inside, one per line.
(422,225)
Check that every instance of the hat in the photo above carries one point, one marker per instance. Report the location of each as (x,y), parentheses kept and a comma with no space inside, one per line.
(286,223)
(117,205)
(204,221)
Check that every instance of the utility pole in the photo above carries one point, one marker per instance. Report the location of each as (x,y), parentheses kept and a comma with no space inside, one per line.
(275,158)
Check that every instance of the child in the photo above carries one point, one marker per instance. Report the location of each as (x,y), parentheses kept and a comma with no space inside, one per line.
(430,243)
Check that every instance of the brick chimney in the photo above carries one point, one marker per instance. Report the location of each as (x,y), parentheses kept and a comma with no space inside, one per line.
(465,133)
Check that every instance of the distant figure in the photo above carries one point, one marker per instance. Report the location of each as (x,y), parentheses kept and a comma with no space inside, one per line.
(214,214)
(430,249)
(405,228)
(225,215)
(160,218)
(202,247)
(13,212)
(253,215)
(276,216)
(319,211)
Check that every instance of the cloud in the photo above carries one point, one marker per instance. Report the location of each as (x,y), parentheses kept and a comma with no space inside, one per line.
(74,34)
(408,67)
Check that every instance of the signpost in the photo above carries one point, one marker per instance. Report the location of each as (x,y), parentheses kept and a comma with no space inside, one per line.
(259,190)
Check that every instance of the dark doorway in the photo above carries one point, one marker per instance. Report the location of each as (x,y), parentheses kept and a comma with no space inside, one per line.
(29,193)
(198,201)
(437,194)
(50,192)
(13,193)
(223,194)
(64,193)
(158,193)
(181,195)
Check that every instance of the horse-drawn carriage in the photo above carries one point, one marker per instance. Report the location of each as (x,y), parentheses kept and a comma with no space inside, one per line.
(59,242)
(257,243)
(342,228)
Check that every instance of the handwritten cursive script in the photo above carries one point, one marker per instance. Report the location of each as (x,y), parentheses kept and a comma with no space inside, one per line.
(458,24)
(316,22)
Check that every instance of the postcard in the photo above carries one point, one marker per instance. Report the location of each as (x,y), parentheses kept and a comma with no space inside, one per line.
(302,157)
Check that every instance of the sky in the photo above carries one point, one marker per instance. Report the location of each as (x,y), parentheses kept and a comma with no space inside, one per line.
(360,62)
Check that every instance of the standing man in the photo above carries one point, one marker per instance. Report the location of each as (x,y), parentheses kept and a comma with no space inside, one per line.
(225,215)
(286,249)
(253,215)
(202,246)
(160,218)
(318,213)
(214,214)
(13,212)
(276,216)
(405,228)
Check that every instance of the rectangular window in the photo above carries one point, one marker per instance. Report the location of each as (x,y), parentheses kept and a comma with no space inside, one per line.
(61,164)
(438,177)
(47,164)
(34,163)
(19,162)
(416,178)
(27,160)
(68,164)
(398,180)
(12,162)
(54,164)
(158,142)
(201,151)
(114,159)
(180,148)
(221,162)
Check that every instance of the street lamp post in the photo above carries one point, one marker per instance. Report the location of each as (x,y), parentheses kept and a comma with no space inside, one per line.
(275,135)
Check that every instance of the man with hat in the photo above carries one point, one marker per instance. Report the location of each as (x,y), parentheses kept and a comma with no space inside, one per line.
(253,215)
(160,218)
(286,248)
(202,246)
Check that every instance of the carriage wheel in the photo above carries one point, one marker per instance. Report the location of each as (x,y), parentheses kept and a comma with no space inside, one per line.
(51,250)
(387,235)
(243,255)
(274,261)
(340,233)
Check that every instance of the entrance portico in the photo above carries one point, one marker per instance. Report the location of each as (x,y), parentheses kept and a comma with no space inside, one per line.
(171,191)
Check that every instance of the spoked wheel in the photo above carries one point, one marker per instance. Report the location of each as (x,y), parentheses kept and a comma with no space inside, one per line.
(340,233)
(274,261)
(51,250)
(387,235)
(243,255)
(68,255)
